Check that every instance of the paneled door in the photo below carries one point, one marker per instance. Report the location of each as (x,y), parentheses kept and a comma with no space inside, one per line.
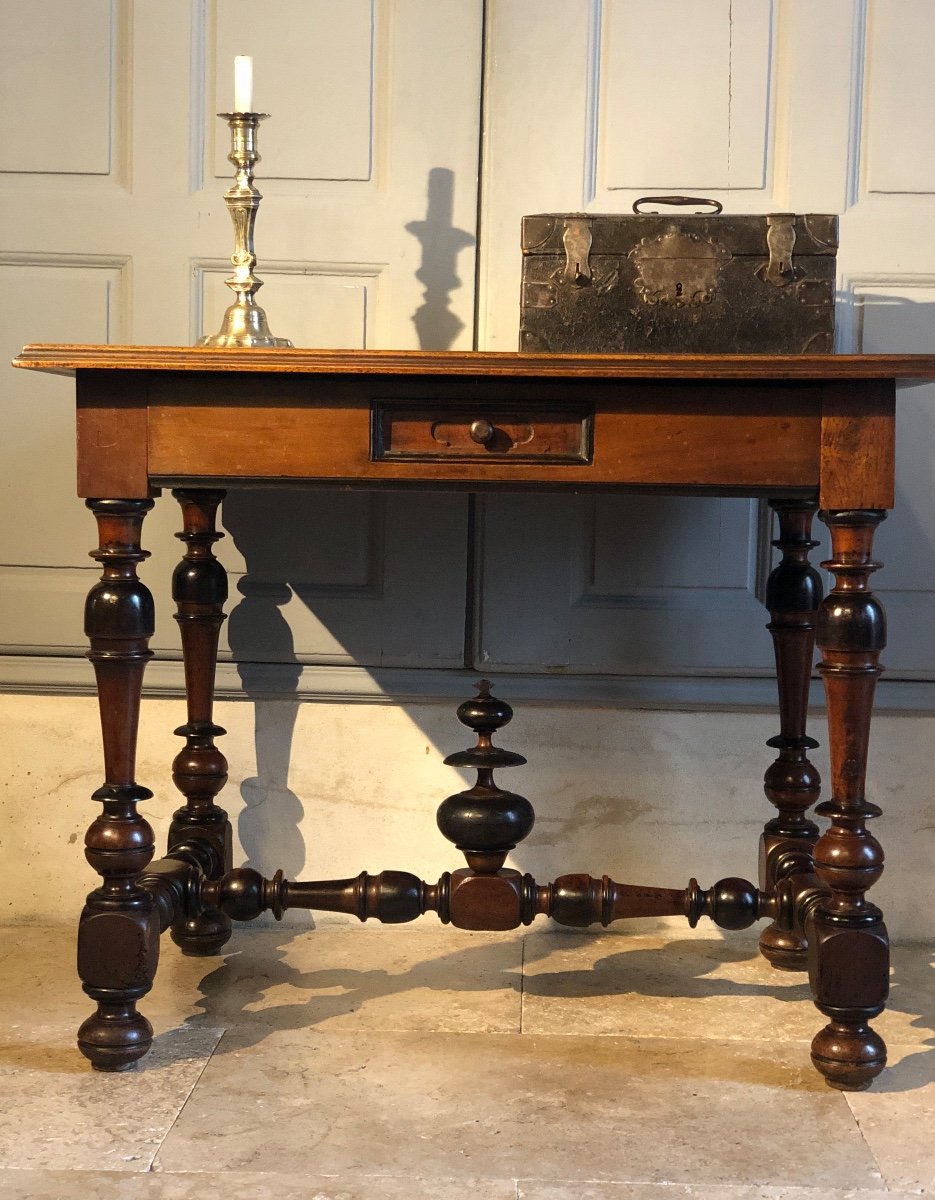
(765,105)
(115,230)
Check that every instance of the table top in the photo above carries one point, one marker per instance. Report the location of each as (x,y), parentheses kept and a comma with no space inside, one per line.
(751,424)
(66,359)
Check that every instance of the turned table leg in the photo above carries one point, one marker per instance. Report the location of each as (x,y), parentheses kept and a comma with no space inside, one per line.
(199,588)
(118,939)
(792,783)
(848,945)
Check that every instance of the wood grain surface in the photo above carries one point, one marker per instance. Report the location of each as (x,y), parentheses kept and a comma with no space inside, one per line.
(66,359)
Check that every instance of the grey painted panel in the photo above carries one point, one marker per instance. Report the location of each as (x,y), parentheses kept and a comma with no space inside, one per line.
(340,578)
(569,584)
(633,544)
(41,608)
(316,577)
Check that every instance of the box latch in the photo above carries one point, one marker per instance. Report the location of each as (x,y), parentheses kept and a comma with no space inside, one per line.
(577,242)
(780,241)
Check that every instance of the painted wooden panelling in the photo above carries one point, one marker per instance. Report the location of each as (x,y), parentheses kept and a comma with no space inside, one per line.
(596,589)
(57,65)
(899,97)
(357,585)
(75,298)
(365,237)
(324,305)
(689,105)
(313,71)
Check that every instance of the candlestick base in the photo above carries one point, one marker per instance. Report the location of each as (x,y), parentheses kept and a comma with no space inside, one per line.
(244,325)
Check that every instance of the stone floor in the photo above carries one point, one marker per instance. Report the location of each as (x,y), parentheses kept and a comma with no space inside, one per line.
(347,1063)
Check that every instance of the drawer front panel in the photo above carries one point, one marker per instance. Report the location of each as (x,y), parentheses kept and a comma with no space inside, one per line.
(481,432)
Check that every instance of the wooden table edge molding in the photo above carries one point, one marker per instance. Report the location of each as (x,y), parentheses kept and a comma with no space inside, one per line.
(807,432)
(66,359)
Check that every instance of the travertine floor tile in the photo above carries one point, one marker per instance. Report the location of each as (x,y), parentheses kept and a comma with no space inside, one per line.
(71,1117)
(377,1064)
(39,979)
(236,1185)
(897,1118)
(452,1105)
(293,978)
(692,987)
(367,979)
(666,1191)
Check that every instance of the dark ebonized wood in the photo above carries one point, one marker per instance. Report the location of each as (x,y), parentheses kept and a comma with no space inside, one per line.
(199,588)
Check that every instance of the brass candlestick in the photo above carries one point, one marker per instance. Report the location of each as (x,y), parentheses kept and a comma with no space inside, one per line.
(244,322)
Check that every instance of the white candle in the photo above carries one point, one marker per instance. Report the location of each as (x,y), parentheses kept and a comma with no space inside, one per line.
(243,83)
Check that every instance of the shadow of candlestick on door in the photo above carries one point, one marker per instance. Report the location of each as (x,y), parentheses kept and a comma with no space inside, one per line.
(436,325)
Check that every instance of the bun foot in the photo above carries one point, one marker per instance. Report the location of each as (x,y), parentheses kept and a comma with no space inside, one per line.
(849,1058)
(784,949)
(203,936)
(114,1039)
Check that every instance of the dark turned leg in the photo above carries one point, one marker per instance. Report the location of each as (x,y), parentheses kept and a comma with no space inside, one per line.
(199,588)
(848,945)
(118,938)
(792,784)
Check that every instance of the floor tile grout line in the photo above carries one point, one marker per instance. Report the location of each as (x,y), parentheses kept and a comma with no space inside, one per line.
(522,985)
(883,1180)
(175,1120)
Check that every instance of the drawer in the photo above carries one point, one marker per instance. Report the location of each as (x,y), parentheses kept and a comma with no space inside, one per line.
(481,432)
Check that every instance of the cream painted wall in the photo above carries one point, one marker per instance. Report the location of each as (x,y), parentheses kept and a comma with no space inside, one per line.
(647,797)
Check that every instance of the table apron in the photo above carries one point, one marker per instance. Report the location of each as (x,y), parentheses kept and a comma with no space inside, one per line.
(703,447)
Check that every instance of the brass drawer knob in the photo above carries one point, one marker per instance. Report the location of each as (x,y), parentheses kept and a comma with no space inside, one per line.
(482,432)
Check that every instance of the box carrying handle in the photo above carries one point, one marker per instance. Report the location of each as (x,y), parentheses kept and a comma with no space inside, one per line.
(679,200)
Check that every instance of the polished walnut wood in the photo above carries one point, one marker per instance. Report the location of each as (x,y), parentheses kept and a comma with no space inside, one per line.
(801,431)
(199,588)
(792,784)
(181,892)
(118,937)
(752,424)
(323,429)
(527,432)
(849,950)
(68,358)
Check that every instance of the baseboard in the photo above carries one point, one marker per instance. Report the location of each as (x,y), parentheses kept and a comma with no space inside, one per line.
(65,675)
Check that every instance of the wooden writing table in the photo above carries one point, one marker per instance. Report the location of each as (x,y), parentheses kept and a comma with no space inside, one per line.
(802,431)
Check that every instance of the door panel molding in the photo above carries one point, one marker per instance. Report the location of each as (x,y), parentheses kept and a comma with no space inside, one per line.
(332,304)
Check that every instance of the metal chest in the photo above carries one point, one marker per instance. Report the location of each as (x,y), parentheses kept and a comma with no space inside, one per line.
(698,283)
